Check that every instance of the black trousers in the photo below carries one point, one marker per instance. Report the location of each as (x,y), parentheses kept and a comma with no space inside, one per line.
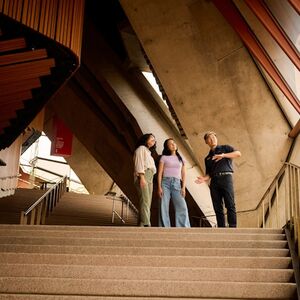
(221,190)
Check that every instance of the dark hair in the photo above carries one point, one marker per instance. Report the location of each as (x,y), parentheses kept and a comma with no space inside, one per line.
(207,134)
(143,141)
(167,152)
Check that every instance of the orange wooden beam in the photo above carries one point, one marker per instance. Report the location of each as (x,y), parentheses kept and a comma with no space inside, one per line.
(296,5)
(234,18)
(295,131)
(266,18)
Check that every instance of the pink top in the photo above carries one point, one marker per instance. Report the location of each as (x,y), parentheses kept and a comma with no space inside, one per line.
(172,166)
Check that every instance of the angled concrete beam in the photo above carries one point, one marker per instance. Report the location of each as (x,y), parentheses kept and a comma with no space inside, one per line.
(266,18)
(234,18)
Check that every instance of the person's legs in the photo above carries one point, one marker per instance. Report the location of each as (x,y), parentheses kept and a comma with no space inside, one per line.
(164,220)
(181,211)
(217,201)
(145,199)
(228,194)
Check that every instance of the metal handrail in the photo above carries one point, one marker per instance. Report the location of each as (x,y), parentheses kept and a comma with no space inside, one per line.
(124,200)
(39,210)
(287,180)
(129,203)
(281,171)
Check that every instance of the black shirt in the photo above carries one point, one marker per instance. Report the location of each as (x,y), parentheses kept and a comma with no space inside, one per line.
(223,165)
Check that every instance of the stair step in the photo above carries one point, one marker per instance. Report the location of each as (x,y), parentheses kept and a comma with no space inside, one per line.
(21,86)
(150,260)
(143,243)
(23,56)
(147,288)
(194,236)
(13,44)
(142,229)
(146,273)
(105,250)
(71,297)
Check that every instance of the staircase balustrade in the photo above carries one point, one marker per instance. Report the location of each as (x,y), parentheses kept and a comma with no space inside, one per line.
(126,205)
(8,184)
(36,214)
(284,191)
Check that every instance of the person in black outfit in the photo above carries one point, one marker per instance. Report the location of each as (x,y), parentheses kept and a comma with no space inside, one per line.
(219,169)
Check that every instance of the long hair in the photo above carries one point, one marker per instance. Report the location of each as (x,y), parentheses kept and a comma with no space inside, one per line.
(143,141)
(167,152)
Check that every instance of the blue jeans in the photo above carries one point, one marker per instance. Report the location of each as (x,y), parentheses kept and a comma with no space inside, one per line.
(221,189)
(171,187)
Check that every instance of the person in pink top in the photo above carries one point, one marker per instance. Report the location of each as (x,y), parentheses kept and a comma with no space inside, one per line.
(171,185)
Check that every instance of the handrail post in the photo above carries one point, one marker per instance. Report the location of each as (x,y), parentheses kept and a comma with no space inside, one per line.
(113,211)
(286,196)
(122,210)
(269,205)
(39,214)
(127,208)
(44,210)
(297,209)
(290,199)
(276,200)
(22,219)
(32,217)
(41,208)
(263,216)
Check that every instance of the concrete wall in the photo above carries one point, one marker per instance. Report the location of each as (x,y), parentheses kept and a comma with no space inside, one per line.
(213,84)
(9,173)
(97,138)
(91,174)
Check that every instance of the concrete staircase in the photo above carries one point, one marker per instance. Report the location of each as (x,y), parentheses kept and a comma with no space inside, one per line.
(88,210)
(72,209)
(11,206)
(72,262)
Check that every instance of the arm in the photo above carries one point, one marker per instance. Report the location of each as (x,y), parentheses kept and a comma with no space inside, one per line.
(139,166)
(183,175)
(159,178)
(142,180)
(233,154)
(201,179)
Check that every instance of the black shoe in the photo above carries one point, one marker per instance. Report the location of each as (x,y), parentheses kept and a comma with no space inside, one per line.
(2,163)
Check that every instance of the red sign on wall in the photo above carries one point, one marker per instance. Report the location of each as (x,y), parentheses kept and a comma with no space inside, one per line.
(62,139)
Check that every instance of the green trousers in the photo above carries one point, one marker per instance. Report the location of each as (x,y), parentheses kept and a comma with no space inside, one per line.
(145,198)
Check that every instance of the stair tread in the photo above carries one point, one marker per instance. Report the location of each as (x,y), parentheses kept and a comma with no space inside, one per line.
(145,242)
(148,235)
(140,229)
(149,260)
(143,288)
(89,297)
(126,250)
(139,272)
